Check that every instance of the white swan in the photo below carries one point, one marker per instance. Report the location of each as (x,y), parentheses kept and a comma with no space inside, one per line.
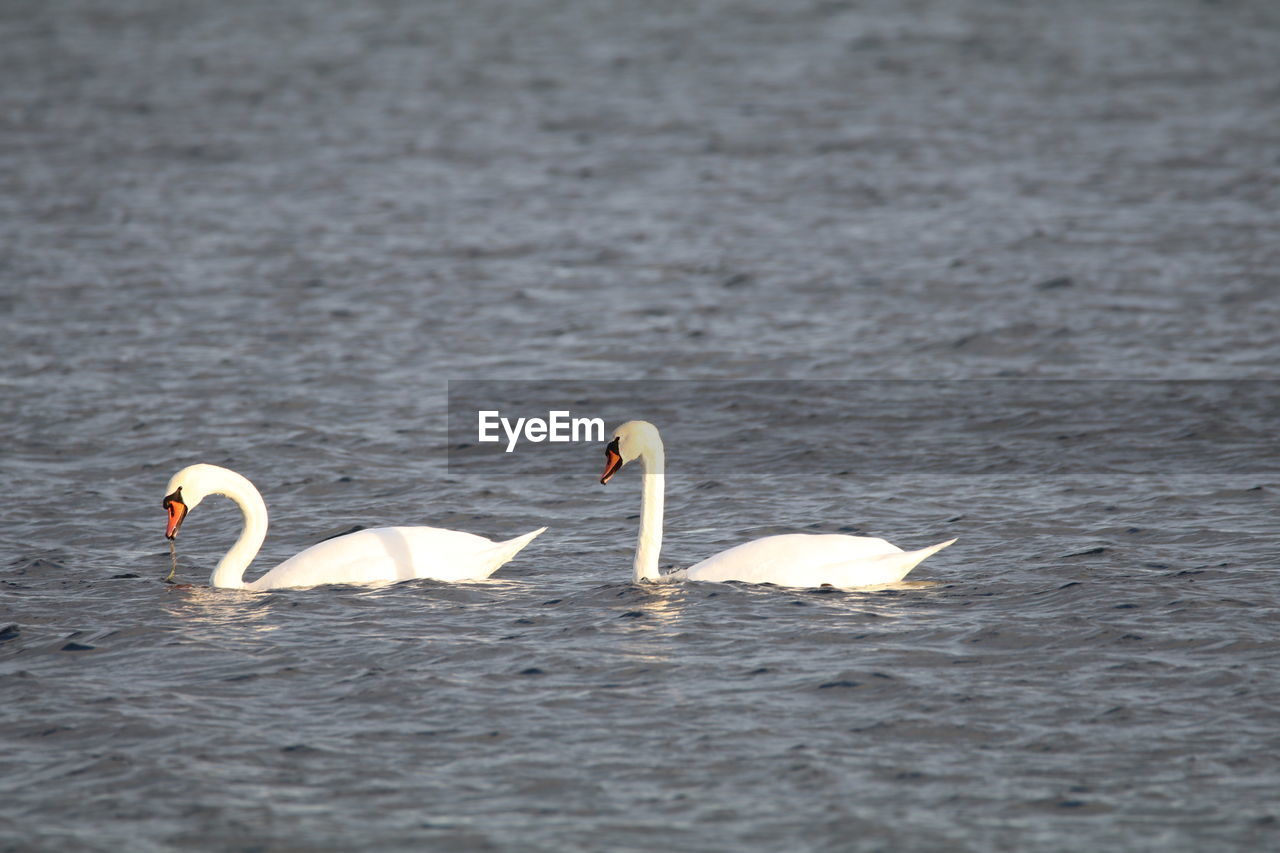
(382,554)
(796,559)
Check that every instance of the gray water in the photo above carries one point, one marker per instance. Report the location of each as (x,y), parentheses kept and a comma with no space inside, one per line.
(268,236)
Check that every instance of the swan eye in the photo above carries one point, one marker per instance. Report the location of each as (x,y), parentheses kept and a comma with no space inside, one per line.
(613,446)
(176,496)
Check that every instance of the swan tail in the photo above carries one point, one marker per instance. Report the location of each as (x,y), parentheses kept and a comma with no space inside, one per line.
(911,559)
(892,567)
(925,553)
(503,552)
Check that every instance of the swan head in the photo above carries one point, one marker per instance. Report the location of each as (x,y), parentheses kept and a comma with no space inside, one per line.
(630,441)
(185,491)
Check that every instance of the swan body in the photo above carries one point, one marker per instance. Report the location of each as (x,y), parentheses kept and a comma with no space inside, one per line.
(812,559)
(377,555)
(794,559)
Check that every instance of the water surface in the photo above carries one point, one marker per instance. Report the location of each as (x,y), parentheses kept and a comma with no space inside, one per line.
(267,237)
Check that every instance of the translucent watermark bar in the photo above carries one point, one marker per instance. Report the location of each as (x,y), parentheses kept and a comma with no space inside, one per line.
(875,427)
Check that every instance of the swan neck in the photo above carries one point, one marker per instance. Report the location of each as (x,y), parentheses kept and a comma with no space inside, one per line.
(649,544)
(229,573)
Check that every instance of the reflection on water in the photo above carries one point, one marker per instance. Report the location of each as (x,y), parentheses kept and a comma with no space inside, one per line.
(653,621)
(209,608)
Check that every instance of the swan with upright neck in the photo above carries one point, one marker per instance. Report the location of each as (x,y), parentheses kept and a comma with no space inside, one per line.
(794,559)
(377,555)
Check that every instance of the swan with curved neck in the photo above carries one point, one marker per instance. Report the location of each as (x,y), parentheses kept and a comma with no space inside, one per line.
(794,559)
(377,555)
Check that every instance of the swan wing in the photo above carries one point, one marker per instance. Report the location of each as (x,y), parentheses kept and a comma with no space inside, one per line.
(389,554)
(812,560)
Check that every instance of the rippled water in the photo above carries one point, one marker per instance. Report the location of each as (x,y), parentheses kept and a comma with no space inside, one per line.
(267,237)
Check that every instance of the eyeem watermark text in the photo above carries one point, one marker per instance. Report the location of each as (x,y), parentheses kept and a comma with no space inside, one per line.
(559,426)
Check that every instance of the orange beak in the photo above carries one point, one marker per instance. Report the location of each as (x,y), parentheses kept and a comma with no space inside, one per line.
(177,511)
(612,462)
